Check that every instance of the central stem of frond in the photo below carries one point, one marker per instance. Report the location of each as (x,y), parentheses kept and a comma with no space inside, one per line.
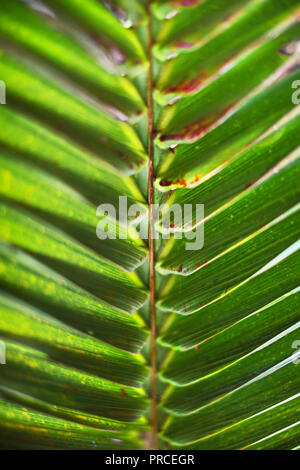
(154,429)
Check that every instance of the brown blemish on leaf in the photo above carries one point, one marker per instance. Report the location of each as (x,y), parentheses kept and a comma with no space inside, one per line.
(165,183)
(190,85)
(261,220)
(183,45)
(186,3)
(227,287)
(197,129)
(251,183)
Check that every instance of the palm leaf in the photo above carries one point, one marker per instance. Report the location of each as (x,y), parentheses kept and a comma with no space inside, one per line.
(122,342)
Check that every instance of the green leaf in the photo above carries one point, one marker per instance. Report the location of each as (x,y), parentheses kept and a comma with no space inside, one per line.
(67,344)
(197,160)
(218,229)
(236,339)
(69,258)
(239,435)
(199,17)
(109,340)
(24,425)
(113,140)
(72,415)
(219,276)
(256,395)
(247,26)
(237,174)
(46,289)
(208,388)
(236,304)
(55,202)
(16,25)
(211,103)
(89,175)
(283,439)
(62,385)
(98,20)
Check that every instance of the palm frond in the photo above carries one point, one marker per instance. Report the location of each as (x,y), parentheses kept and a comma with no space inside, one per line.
(157,101)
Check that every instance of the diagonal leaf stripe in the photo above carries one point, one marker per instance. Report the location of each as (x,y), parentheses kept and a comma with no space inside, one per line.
(210,103)
(70,214)
(44,288)
(37,372)
(98,20)
(219,227)
(254,396)
(209,388)
(55,433)
(72,415)
(246,123)
(117,140)
(111,337)
(239,302)
(218,276)
(17,24)
(248,430)
(40,329)
(239,173)
(61,158)
(194,17)
(249,25)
